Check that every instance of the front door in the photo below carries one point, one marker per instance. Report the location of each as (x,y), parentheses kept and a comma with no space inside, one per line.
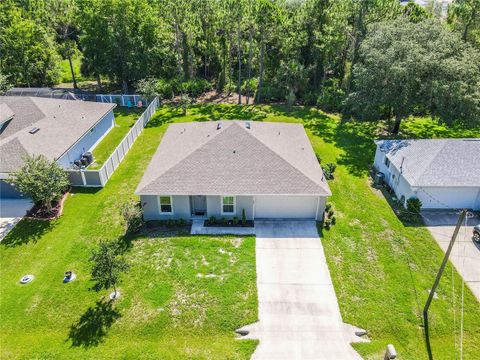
(199,205)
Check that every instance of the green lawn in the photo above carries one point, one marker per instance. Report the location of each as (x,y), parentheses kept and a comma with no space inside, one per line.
(381,268)
(124,119)
(170,309)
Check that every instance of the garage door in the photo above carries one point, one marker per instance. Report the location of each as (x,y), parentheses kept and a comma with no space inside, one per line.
(456,198)
(7,191)
(285,207)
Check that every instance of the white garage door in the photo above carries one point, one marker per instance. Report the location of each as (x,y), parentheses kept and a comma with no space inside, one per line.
(285,207)
(457,198)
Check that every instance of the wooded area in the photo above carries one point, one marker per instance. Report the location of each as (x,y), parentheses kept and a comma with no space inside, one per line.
(366,58)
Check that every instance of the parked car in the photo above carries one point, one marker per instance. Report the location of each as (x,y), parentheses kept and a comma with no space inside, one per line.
(476,233)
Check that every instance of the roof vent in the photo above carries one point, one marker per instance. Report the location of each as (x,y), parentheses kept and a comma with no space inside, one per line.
(34,130)
(247,125)
(234,151)
(219,126)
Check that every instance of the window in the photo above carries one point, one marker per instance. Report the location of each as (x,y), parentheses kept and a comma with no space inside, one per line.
(228,205)
(387,162)
(166,204)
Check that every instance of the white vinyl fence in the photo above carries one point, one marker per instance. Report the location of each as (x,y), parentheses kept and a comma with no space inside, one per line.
(98,178)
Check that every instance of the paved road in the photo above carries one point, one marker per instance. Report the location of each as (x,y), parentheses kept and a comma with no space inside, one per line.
(298,310)
(465,255)
(11,212)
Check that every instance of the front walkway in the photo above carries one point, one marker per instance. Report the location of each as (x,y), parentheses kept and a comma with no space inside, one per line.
(11,212)
(465,254)
(299,317)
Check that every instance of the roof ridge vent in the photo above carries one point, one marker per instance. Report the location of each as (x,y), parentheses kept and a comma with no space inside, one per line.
(219,125)
(248,125)
(34,130)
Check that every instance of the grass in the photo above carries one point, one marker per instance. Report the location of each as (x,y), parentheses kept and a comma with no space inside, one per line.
(169,308)
(124,119)
(381,267)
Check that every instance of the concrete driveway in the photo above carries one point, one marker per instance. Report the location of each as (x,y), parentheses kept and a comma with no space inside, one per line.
(299,317)
(11,212)
(465,255)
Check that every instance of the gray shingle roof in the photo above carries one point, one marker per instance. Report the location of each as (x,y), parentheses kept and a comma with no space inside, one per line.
(436,162)
(61,122)
(268,158)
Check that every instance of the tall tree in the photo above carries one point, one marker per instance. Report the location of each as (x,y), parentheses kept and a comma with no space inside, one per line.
(405,67)
(28,51)
(464,15)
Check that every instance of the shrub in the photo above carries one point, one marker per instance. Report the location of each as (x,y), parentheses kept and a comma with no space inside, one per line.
(330,213)
(318,158)
(164,89)
(132,215)
(147,87)
(181,222)
(235,220)
(196,87)
(328,207)
(249,87)
(170,223)
(41,179)
(212,220)
(326,224)
(333,219)
(331,97)
(224,221)
(244,217)
(414,205)
(310,98)
(328,170)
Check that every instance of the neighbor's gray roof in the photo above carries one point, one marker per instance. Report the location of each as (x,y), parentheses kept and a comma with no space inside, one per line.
(268,158)
(61,122)
(436,162)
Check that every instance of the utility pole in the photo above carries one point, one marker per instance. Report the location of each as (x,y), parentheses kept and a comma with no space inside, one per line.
(460,221)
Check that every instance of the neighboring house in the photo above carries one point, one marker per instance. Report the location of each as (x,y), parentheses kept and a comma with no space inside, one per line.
(442,173)
(219,169)
(61,130)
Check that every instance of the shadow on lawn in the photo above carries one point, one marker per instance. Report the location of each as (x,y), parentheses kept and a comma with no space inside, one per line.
(93,325)
(354,138)
(212,112)
(27,231)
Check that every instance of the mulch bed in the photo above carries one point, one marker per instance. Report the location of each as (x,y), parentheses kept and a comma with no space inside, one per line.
(41,213)
(228,224)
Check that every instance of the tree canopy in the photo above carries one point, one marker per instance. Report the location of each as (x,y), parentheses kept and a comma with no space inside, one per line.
(407,68)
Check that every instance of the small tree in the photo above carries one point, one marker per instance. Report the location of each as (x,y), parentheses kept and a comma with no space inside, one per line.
(184,101)
(107,265)
(132,215)
(41,179)
(414,205)
(148,88)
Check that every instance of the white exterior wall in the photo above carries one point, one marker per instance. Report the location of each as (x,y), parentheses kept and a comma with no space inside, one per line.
(454,197)
(88,141)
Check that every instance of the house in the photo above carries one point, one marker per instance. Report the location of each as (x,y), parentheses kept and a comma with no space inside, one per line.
(442,173)
(203,169)
(61,130)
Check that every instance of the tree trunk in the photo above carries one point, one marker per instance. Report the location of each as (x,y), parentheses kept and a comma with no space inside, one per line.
(258,95)
(249,66)
(239,54)
(177,48)
(73,73)
(124,86)
(396,126)
(230,67)
(99,81)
